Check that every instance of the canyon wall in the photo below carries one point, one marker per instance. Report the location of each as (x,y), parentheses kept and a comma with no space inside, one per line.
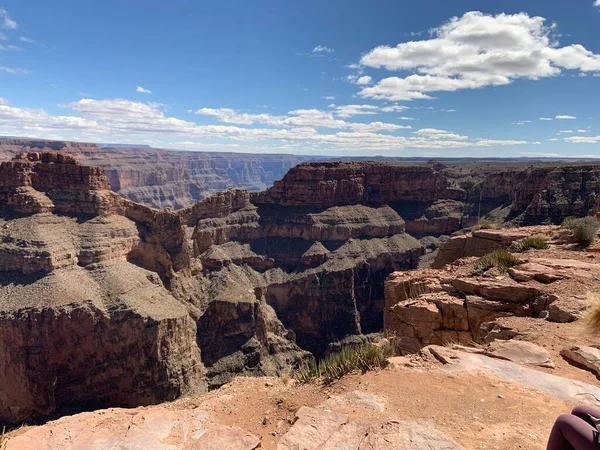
(107,302)
(164,178)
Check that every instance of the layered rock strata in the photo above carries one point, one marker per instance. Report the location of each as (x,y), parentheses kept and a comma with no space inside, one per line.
(106,302)
(453,305)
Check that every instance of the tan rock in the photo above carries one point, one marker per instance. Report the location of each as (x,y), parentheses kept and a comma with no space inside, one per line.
(313,427)
(520,352)
(500,289)
(587,357)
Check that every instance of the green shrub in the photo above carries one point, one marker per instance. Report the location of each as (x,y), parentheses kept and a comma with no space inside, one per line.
(584,229)
(500,259)
(486,225)
(363,357)
(537,242)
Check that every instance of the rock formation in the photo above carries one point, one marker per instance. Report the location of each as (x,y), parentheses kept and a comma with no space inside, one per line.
(456,304)
(162,178)
(106,302)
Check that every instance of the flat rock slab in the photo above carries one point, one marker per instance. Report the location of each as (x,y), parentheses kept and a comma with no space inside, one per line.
(587,357)
(313,427)
(322,429)
(520,352)
(407,435)
(558,387)
(155,428)
(505,290)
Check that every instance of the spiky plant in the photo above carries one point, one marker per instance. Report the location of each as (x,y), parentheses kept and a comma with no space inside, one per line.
(500,259)
(536,242)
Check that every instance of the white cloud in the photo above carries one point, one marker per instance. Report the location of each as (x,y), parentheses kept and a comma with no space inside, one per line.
(364,80)
(546,118)
(328,97)
(406,118)
(6,22)
(322,49)
(583,139)
(436,134)
(564,117)
(3,37)
(229,115)
(298,130)
(346,111)
(394,108)
(553,139)
(9,47)
(31,41)
(13,71)
(597,3)
(565,132)
(581,130)
(3,101)
(143,90)
(475,51)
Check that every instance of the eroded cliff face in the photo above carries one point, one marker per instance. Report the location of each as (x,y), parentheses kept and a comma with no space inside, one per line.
(163,178)
(106,302)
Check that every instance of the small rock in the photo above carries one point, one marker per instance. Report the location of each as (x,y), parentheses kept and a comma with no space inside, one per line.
(544,314)
(500,396)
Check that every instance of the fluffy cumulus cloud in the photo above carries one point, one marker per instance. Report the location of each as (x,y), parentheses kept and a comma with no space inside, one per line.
(475,51)
(565,117)
(300,130)
(143,90)
(597,3)
(546,118)
(6,22)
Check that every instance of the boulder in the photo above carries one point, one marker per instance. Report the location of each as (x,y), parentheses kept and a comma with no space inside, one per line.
(567,308)
(586,357)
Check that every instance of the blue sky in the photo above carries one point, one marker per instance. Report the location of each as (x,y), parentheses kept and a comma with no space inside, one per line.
(395,78)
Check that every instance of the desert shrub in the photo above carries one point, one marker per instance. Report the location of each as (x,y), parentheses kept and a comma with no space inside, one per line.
(584,229)
(486,225)
(565,223)
(536,242)
(362,358)
(500,259)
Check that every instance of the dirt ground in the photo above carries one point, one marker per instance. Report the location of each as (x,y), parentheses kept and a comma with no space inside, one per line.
(478,410)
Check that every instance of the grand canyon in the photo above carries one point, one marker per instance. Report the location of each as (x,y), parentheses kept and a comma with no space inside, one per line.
(315,225)
(109,302)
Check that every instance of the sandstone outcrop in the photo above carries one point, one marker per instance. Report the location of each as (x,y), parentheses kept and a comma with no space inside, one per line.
(434,306)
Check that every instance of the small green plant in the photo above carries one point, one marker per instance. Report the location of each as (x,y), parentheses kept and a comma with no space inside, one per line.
(536,242)
(486,225)
(585,229)
(500,259)
(363,358)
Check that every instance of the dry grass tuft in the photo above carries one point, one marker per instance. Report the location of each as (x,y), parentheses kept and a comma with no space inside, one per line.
(592,316)
(487,225)
(3,439)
